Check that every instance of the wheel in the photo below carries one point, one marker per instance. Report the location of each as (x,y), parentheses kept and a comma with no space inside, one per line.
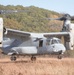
(13,58)
(59,56)
(33,58)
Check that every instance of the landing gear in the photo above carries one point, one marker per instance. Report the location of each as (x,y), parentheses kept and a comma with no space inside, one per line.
(33,58)
(13,58)
(60,55)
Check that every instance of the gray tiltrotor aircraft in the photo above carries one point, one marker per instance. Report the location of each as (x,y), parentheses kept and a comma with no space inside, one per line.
(15,42)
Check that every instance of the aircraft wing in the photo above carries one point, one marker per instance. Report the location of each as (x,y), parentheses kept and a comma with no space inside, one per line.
(17,34)
(56,34)
(26,35)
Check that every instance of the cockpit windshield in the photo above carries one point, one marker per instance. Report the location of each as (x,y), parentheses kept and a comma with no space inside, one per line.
(55,41)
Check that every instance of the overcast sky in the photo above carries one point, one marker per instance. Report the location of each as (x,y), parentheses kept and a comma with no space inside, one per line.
(62,6)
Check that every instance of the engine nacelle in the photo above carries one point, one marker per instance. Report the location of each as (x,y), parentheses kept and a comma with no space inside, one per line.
(69,40)
(1,31)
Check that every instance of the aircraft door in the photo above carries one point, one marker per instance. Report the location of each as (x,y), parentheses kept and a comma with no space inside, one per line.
(40,43)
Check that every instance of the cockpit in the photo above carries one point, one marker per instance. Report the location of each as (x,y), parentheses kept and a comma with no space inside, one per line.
(53,41)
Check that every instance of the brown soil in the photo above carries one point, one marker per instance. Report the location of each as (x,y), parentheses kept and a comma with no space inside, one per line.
(42,66)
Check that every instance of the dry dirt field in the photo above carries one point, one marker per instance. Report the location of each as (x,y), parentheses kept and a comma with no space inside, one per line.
(43,66)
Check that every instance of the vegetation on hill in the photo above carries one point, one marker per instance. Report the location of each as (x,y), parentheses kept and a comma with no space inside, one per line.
(32,19)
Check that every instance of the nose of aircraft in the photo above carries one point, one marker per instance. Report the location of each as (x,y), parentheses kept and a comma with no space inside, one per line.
(59,47)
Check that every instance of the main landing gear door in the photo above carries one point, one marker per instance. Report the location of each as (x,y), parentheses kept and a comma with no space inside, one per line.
(1,31)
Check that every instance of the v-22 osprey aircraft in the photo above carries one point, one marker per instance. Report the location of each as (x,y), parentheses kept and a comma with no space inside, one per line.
(15,42)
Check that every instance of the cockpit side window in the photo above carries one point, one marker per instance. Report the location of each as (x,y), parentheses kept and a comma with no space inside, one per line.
(59,41)
(48,42)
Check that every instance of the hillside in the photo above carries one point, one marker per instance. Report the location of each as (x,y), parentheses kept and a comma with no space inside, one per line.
(31,19)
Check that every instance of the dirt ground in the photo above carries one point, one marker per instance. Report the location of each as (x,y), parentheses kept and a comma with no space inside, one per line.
(42,66)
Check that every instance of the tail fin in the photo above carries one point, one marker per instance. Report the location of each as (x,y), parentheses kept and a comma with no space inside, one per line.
(1,31)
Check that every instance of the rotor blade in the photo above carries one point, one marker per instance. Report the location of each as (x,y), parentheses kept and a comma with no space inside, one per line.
(63,18)
(54,18)
(11,11)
